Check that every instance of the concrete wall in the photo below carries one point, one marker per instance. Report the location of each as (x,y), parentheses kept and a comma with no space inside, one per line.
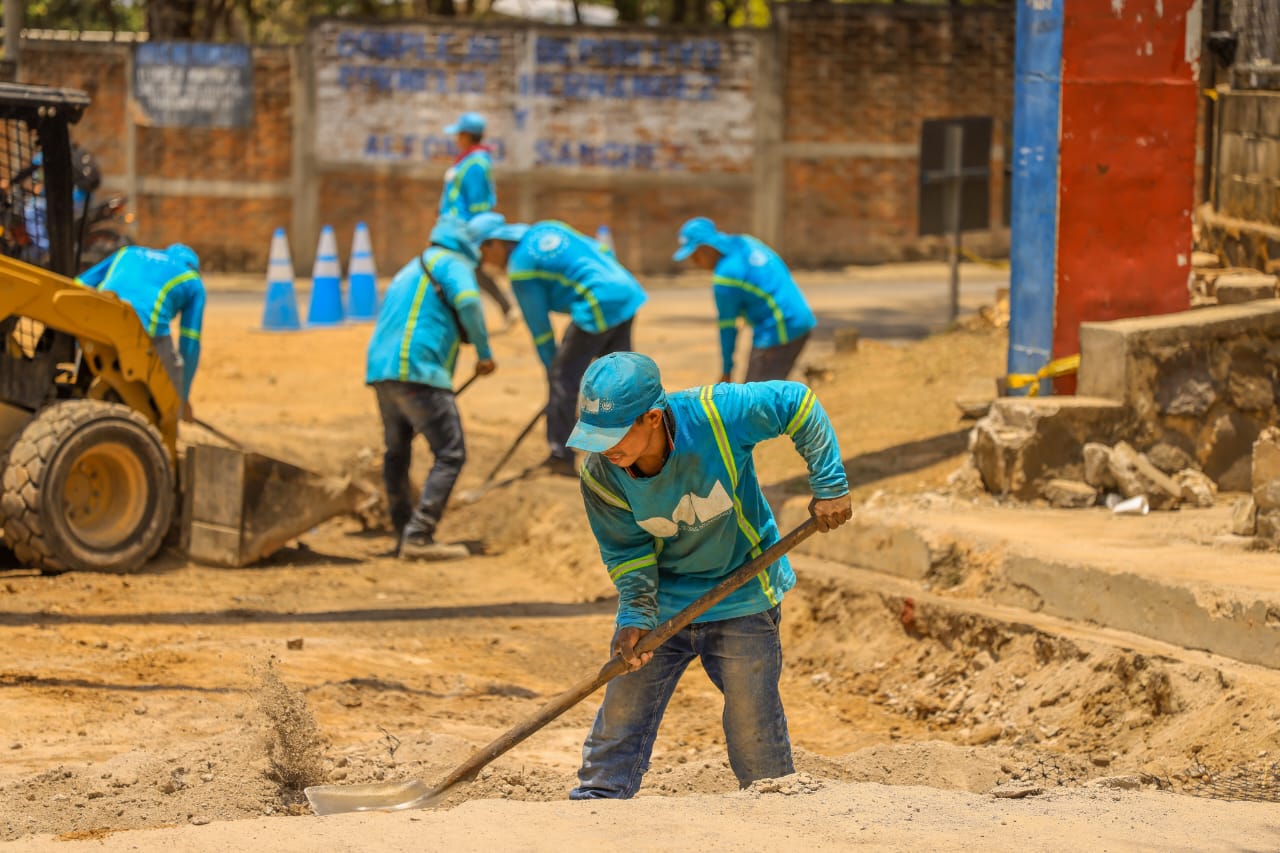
(806,135)
(1200,385)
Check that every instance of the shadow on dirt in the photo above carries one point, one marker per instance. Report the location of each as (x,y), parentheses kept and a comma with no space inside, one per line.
(238,615)
(874,465)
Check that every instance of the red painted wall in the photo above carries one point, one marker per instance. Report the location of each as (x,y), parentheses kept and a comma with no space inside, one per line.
(1128,150)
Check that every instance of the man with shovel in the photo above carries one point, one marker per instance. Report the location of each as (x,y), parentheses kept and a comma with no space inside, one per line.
(750,281)
(553,268)
(672,497)
(431,307)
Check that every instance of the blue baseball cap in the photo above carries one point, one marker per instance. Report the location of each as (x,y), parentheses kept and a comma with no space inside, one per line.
(615,390)
(184,255)
(698,231)
(472,123)
(494,226)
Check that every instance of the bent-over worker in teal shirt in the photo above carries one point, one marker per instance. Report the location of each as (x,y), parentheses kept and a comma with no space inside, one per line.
(161,285)
(431,303)
(671,494)
(555,269)
(749,281)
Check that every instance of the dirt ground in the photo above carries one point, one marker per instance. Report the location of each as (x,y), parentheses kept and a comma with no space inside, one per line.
(185,696)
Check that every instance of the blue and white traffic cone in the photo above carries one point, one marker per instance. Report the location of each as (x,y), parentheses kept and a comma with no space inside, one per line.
(604,239)
(362,277)
(325,308)
(280,311)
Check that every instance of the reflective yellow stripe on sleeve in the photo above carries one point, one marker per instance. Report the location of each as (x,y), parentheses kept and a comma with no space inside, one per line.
(802,413)
(755,291)
(631,565)
(156,307)
(603,493)
(189,333)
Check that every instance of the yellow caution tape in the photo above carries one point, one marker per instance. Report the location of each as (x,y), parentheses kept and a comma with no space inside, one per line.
(978,259)
(1052,370)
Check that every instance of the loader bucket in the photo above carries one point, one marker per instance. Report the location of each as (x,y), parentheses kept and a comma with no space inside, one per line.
(241,506)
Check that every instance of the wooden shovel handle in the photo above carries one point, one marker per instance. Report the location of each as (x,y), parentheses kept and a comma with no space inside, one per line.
(615,666)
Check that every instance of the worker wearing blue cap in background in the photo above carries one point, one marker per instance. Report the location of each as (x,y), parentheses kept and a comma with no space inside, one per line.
(671,494)
(469,190)
(431,307)
(160,285)
(749,280)
(553,268)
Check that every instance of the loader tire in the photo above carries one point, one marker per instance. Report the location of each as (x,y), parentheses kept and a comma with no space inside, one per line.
(88,486)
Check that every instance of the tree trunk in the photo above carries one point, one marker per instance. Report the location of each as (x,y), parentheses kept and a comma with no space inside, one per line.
(171,19)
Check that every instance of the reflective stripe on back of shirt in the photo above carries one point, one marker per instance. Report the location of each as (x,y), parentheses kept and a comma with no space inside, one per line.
(755,291)
(110,269)
(706,397)
(456,189)
(418,296)
(568,282)
(158,305)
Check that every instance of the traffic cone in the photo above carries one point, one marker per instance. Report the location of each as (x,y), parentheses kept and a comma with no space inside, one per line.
(362,278)
(280,311)
(325,308)
(604,239)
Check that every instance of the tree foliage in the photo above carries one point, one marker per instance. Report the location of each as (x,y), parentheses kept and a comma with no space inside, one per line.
(285,20)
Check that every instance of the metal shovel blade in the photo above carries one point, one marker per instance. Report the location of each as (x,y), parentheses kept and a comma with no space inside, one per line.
(373,797)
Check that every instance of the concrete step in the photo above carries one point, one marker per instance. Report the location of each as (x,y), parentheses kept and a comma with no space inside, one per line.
(1172,577)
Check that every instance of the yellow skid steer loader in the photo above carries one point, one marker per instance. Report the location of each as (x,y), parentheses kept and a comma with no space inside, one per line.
(90,475)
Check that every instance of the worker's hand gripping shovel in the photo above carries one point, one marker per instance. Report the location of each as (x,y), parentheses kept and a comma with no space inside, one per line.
(414,794)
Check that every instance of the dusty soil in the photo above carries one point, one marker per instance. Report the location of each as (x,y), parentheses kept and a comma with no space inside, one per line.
(189,695)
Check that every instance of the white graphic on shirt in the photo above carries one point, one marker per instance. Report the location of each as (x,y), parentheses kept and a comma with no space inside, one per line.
(757,258)
(692,511)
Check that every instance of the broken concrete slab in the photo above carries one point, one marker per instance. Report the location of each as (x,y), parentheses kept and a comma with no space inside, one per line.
(1268,526)
(1026,441)
(1205,260)
(1201,381)
(1266,469)
(1070,494)
(1195,594)
(1244,517)
(1135,475)
(1097,466)
(1197,488)
(1239,287)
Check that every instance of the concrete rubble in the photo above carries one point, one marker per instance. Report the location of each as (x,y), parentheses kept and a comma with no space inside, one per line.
(1266,485)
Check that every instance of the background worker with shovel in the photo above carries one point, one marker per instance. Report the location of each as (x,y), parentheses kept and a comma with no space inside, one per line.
(671,493)
(749,280)
(431,307)
(553,268)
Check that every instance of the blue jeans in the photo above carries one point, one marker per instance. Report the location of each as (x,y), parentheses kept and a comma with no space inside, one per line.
(743,658)
(409,409)
(574,355)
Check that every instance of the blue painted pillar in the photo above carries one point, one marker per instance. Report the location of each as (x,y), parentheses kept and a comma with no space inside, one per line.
(1037,98)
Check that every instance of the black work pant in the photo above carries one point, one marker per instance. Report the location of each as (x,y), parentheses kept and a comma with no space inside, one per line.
(409,409)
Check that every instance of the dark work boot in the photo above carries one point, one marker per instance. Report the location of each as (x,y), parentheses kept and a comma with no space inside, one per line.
(422,546)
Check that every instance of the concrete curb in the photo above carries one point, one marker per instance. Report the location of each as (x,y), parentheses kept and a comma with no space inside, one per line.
(1236,622)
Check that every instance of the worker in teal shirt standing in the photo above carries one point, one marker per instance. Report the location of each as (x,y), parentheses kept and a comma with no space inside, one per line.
(469,191)
(553,268)
(671,494)
(160,285)
(431,308)
(750,281)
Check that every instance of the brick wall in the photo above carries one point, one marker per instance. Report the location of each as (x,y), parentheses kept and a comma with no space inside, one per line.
(859,82)
(829,176)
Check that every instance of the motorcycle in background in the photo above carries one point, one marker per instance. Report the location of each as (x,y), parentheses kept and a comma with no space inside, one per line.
(103,228)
